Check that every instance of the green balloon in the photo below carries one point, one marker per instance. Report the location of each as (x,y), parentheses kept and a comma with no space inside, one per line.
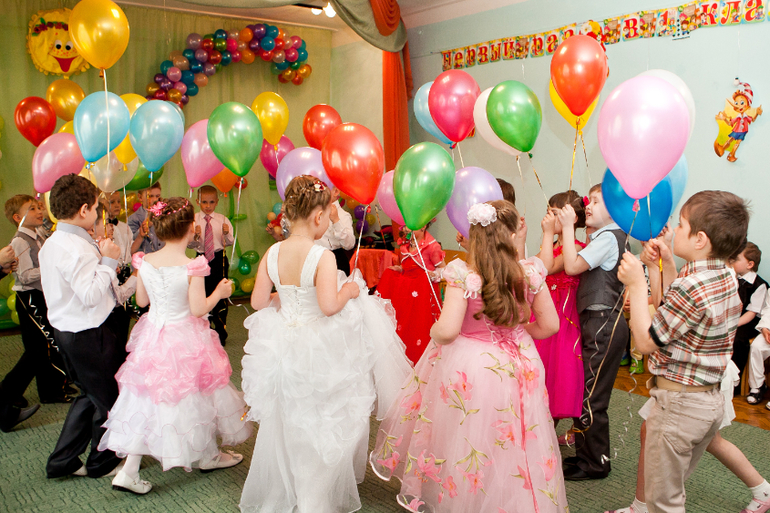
(143,178)
(514,114)
(235,136)
(244,267)
(3,307)
(251,257)
(423,183)
(11,302)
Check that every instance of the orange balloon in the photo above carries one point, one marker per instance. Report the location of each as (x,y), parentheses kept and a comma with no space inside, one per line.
(174,95)
(247,56)
(319,121)
(64,95)
(288,74)
(201,80)
(304,70)
(181,62)
(225,180)
(578,71)
(246,35)
(297,80)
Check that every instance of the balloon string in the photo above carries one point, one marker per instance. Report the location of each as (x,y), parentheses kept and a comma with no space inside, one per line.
(518,164)
(547,205)
(360,236)
(574,150)
(460,152)
(107,104)
(430,282)
(125,202)
(660,258)
(237,213)
(588,170)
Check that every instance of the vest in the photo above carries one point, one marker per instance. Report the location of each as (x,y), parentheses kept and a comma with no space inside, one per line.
(34,249)
(745,291)
(600,287)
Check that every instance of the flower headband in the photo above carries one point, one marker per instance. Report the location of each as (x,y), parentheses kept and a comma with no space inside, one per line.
(157,208)
(482,213)
(586,201)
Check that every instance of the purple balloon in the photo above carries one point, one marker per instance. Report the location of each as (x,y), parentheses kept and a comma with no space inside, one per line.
(201,55)
(387,199)
(271,156)
(174,74)
(254,45)
(194,41)
(291,54)
(259,30)
(166,85)
(181,87)
(159,78)
(362,223)
(472,185)
(298,162)
(209,69)
(359,212)
(185,99)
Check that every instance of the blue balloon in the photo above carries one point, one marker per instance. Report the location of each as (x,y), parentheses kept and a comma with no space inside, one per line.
(301,55)
(165,65)
(620,205)
(303,45)
(188,77)
(196,67)
(678,179)
(282,65)
(422,113)
(272,31)
(156,133)
(227,58)
(267,43)
(91,120)
(189,54)
(192,89)
(277,208)
(178,109)
(220,34)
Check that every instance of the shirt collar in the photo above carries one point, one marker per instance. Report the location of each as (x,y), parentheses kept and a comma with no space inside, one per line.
(611,226)
(76,230)
(33,233)
(696,266)
(749,277)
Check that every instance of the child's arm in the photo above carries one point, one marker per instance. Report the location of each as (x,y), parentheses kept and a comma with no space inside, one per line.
(446,329)
(142,298)
(746,318)
(756,302)
(546,245)
(227,233)
(574,264)
(263,287)
(26,273)
(631,274)
(196,243)
(657,252)
(330,299)
(200,305)
(546,318)
(342,227)
(520,239)
(90,278)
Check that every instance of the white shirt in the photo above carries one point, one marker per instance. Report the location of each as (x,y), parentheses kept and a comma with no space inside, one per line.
(221,240)
(758,297)
(602,250)
(764,321)
(123,238)
(77,280)
(25,273)
(339,234)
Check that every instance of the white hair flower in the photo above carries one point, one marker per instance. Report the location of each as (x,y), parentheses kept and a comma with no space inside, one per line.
(482,213)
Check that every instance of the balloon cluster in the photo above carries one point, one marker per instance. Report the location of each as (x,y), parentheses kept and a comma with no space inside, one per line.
(9,317)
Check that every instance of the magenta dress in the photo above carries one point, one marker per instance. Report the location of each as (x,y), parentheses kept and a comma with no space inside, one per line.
(562,353)
(471,431)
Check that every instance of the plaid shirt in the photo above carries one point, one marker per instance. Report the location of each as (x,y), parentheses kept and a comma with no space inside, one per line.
(695,326)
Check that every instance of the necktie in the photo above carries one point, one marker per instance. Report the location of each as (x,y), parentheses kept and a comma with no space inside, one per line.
(208,239)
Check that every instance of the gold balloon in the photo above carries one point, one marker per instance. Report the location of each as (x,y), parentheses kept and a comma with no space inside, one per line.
(201,80)
(288,74)
(64,95)
(99,30)
(562,108)
(125,152)
(174,95)
(152,88)
(133,101)
(304,71)
(181,62)
(67,127)
(273,114)
(47,200)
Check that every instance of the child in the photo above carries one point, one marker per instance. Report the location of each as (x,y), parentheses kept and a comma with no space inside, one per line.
(77,277)
(121,233)
(213,234)
(689,340)
(339,237)
(603,329)
(751,289)
(46,229)
(471,431)
(175,392)
(509,194)
(760,350)
(145,239)
(562,353)
(308,368)
(415,297)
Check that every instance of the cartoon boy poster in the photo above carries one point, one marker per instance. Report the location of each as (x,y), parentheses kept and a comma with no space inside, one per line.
(734,121)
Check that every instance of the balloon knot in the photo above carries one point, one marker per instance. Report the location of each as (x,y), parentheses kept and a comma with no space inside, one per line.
(636,206)
(529,155)
(452,146)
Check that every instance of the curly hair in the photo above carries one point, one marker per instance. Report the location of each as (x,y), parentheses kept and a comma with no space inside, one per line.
(572,198)
(303,194)
(494,257)
(69,194)
(174,220)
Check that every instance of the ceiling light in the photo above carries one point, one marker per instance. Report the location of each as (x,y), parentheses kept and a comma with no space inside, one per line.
(329,10)
(316,11)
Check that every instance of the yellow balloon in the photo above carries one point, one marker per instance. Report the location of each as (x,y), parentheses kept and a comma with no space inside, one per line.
(273,114)
(99,29)
(47,200)
(87,174)
(64,95)
(247,285)
(67,127)
(125,152)
(133,101)
(562,108)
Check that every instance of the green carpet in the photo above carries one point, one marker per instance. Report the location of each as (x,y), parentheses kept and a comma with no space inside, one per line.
(24,487)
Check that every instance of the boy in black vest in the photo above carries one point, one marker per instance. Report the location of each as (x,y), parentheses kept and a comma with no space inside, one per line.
(751,289)
(603,329)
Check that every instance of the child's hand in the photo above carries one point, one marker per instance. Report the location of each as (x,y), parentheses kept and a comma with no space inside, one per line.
(548,224)
(225,229)
(144,229)
(334,215)
(666,235)
(631,272)
(198,230)
(109,249)
(224,288)
(396,268)
(567,216)
(462,241)
(7,256)
(650,255)
(521,233)
(353,289)
(766,334)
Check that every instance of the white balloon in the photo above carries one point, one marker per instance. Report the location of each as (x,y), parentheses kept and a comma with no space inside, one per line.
(483,128)
(680,86)
(111,174)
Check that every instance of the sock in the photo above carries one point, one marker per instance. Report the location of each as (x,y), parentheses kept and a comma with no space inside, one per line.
(761,494)
(131,467)
(754,391)
(639,506)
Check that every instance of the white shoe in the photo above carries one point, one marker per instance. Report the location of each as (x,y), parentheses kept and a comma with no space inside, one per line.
(219,462)
(114,472)
(81,472)
(125,484)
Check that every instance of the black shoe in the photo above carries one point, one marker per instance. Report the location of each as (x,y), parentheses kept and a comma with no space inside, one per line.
(57,399)
(756,397)
(570,462)
(70,390)
(20,403)
(576,473)
(7,427)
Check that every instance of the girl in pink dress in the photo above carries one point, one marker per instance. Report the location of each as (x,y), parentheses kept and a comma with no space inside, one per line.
(471,431)
(561,353)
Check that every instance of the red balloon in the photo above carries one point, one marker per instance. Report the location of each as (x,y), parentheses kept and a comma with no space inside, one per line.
(279,44)
(282,79)
(35,119)
(578,71)
(207,44)
(265,55)
(319,121)
(451,100)
(160,94)
(215,57)
(354,160)
(297,80)
(236,56)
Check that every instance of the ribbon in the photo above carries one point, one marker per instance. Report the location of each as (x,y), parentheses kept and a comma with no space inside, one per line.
(547,205)
(574,150)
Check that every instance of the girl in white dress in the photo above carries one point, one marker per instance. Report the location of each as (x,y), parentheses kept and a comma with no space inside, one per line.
(175,392)
(315,364)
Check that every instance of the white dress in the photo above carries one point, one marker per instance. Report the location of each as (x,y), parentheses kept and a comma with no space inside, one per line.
(312,382)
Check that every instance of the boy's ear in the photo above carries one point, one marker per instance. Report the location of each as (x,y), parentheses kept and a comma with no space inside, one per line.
(750,265)
(83,210)
(702,240)
(17,218)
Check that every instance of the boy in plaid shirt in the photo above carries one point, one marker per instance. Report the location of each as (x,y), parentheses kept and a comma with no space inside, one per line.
(689,340)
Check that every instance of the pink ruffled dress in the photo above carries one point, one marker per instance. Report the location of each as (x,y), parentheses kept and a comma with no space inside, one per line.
(175,392)
(472,431)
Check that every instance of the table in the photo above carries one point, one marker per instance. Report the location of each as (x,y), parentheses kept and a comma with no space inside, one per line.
(372,263)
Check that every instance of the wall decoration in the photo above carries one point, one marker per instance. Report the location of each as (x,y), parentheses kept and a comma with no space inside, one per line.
(734,121)
(50,46)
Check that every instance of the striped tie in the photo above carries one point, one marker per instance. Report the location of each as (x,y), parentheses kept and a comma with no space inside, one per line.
(208,240)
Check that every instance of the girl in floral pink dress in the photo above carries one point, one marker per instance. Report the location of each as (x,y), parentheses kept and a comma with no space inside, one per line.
(471,432)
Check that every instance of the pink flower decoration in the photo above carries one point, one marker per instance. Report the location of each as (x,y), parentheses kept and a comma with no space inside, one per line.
(157,208)
(586,201)
(473,283)
(412,403)
(450,486)
(443,394)
(506,431)
(527,480)
(549,466)
(475,481)
(428,466)
(392,462)
(462,386)
(415,505)
(440,497)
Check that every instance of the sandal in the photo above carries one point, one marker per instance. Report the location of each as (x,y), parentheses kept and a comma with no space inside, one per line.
(756,397)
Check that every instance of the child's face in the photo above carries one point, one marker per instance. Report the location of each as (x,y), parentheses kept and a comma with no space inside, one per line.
(596,211)
(153,195)
(31,214)
(741,265)
(684,241)
(115,204)
(208,202)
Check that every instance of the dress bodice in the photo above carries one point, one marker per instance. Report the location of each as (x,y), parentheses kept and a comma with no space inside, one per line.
(299,304)
(562,280)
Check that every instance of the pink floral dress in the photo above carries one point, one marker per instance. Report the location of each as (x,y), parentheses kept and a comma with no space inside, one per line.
(472,432)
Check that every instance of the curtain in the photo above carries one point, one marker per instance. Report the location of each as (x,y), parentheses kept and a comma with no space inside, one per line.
(387,15)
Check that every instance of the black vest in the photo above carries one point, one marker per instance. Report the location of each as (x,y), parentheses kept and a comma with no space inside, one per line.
(745,291)
(34,249)
(600,287)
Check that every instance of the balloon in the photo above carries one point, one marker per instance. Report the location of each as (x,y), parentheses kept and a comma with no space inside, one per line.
(643,129)
(225,180)
(362,226)
(192,89)
(227,58)
(387,199)
(201,55)
(174,95)
(251,257)
(151,89)
(271,156)
(578,72)
(562,109)
(194,41)
(422,113)
(246,35)
(354,160)
(295,41)
(472,185)
(272,31)
(297,80)
(318,122)
(279,56)
(277,208)
(232,45)
(450,100)
(200,163)
(680,86)
(359,212)
(175,74)
(209,69)
(304,71)
(68,128)
(247,285)
(99,30)
(371,219)
(298,162)
(143,178)
(156,133)
(4,307)
(111,174)
(273,114)
(247,56)
(423,183)
(291,54)
(207,44)
(177,106)
(260,30)
(236,56)
(64,95)
(165,65)
(201,80)
(235,136)
(514,114)
(621,208)
(482,124)
(91,120)
(35,119)
(15,316)
(678,178)
(124,151)
(57,156)
(244,267)
(188,54)
(215,57)
(160,95)
(302,55)
(220,34)
(11,302)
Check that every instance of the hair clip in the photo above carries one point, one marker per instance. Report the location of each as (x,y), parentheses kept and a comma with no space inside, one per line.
(482,213)
(586,201)
(319,186)
(157,208)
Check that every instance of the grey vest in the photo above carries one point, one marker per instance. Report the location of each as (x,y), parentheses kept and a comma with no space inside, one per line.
(600,287)
(34,249)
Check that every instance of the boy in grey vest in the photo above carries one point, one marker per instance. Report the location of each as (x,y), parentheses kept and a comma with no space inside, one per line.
(603,329)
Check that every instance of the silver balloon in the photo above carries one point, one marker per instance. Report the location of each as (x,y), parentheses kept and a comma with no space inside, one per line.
(111,174)
(233,34)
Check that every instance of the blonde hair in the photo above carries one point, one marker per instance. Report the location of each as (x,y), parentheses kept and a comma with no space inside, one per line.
(494,257)
(303,194)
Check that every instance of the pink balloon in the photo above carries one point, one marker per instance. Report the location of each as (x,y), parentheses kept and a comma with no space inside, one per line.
(296,41)
(57,155)
(232,45)
(298,162)
(174,74)
(200,163)
(271,155)
(451,100)
(387,199)
(181,87)
(643,129)
(291,54)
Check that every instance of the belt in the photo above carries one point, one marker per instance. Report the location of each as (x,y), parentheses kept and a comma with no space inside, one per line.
(673,386)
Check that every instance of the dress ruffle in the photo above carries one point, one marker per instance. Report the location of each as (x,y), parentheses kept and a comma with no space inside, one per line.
(199,267)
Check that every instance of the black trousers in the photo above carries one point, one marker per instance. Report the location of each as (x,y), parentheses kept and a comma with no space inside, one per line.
(343,261)
(219,270)
(92,357)
(596,330)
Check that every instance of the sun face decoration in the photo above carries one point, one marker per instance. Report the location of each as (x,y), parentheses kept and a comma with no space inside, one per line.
(49,44)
